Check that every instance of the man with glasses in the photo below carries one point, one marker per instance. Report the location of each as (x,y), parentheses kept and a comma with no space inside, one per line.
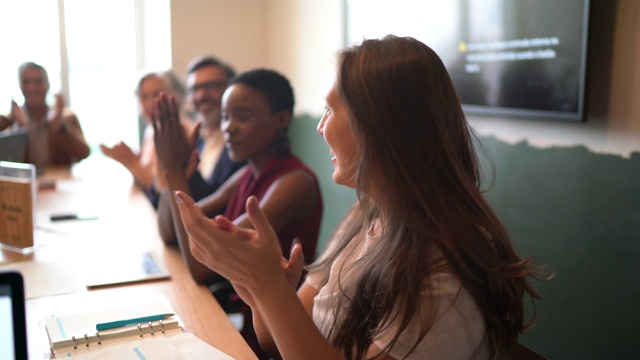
(207,78)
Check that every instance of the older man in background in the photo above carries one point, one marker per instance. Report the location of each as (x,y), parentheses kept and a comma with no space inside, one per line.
(55,134)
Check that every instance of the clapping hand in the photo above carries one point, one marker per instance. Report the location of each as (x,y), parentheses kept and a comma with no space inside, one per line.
(121,153)
(173,148)
(55,114)
(17,115)
(248,258)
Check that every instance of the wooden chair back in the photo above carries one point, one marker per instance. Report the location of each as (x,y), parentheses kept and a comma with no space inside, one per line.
(521,352)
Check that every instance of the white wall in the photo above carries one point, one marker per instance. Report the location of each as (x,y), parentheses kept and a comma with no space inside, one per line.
(304,39)
(235,31)
(297,38)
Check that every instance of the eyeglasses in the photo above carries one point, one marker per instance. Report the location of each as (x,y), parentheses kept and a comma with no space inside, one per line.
(208,86)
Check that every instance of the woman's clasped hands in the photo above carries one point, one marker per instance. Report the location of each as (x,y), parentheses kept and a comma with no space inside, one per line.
(251,259)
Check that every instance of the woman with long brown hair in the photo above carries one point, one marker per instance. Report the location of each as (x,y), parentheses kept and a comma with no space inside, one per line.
(421,267)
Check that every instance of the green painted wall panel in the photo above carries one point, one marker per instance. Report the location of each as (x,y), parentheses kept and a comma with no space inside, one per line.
(578,213)
(311,148)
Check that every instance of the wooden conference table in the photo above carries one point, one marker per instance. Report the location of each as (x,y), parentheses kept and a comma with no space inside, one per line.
(126,223)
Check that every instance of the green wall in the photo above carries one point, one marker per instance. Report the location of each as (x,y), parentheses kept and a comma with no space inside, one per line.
(578,213)
(311,148)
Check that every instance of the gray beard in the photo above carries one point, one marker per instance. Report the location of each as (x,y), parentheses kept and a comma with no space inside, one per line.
(211,123)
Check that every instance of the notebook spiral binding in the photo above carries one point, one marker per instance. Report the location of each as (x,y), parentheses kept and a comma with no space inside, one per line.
(133,330)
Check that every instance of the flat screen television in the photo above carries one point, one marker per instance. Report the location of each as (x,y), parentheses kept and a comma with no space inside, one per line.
(507,58)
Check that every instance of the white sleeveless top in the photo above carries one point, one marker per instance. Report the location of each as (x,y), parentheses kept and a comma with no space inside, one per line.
(457,333)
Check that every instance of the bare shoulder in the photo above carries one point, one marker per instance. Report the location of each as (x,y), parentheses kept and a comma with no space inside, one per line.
(292,196)
(298,182)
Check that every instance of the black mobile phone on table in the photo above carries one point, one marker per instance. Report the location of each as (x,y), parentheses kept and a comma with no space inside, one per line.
(71,216)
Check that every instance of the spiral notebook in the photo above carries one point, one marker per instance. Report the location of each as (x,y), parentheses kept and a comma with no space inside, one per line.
(130,335)
(73,331)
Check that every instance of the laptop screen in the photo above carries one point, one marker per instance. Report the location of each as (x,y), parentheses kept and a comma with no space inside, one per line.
(13,335)
(13,145)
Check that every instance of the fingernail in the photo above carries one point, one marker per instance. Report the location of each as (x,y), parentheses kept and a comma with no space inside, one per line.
(177,195)
(295,242)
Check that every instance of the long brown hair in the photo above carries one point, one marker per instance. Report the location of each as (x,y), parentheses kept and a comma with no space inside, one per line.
(414,139)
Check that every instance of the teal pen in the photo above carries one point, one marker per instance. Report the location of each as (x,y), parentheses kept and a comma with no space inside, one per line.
(134,321)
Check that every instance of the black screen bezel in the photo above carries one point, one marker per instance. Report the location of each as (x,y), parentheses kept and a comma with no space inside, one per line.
(16,285)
